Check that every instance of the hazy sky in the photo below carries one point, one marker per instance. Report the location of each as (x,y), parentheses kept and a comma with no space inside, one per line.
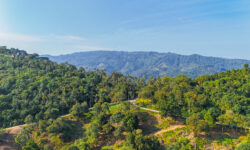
(207,27)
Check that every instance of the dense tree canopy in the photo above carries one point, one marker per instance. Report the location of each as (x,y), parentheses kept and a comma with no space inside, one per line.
(34,88)
(222,97)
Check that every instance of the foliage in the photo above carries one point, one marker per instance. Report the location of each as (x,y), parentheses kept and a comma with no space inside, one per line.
(140,142)
(32,88)
(79,109)
(206,100)
(62,127)
(130,122)
(116,117)
(197,123)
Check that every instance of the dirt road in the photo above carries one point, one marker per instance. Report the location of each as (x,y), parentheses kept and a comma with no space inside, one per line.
(171,128)
(152,110)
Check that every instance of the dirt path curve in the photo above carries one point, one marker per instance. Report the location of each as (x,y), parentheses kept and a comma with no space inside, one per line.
(152,110)
(171,128)
(23,125)
(16,129)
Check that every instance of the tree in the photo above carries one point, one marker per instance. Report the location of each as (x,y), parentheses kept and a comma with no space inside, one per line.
(78,110)
(107,128)
(97,108)
(227,118)
(197,123)
(116,117)
(130,122)
(92,141)
(42,125)
(28,119)
(118,131)
(93,130)
(209,119)
(52,113)
(62,127)
(140,142)
(130,139)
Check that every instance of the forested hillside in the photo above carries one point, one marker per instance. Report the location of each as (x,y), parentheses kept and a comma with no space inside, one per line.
(150,64)
(33,88)
(205,100)
(66,108)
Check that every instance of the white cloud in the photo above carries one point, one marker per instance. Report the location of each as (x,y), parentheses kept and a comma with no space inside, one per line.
(18,37)
(64,37)
(48,44)
(89,47)
(30,38)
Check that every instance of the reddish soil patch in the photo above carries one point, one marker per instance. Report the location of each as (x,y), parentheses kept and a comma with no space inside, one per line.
(169,129)
(15,130)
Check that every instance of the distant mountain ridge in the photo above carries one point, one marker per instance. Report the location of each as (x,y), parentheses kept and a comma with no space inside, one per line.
(150,63)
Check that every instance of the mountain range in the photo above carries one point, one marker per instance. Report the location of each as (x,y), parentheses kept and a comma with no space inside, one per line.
(149,63)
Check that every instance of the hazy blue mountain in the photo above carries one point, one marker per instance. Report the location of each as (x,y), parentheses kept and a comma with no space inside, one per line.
(150,63)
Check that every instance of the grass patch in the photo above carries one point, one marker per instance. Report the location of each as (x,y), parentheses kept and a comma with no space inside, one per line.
(113,108)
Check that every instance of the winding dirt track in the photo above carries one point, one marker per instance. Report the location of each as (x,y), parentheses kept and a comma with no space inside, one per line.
(171,128)
(152,110)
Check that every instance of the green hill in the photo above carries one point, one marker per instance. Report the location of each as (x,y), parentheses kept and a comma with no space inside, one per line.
(34,88)
(69,108)
(150,64)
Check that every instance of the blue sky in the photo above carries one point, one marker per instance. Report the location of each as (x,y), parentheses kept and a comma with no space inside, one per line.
(208,27)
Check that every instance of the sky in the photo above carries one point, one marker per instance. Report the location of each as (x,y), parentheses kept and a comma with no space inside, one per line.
(219,28)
